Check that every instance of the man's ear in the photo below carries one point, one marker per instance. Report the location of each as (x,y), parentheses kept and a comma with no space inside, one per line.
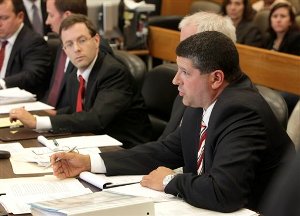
(217,79)
(66,14)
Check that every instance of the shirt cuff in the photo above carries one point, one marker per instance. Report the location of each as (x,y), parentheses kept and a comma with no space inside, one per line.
(43,123)
(97,163)
(2,84)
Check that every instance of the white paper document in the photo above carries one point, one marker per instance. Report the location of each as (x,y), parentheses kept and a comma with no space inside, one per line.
(88,141)
(179,207)
(102,181)
(12,147)
(139,190)
(15,95)
(31,106)
(21,191)
(34,160)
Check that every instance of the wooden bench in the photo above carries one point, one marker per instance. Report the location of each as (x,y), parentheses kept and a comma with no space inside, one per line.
(272,69)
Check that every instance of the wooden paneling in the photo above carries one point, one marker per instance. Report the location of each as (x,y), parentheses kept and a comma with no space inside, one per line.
(272,69)
(175,7)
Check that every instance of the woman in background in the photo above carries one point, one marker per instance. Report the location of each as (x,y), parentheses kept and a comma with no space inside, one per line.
(241,14)
(284,34)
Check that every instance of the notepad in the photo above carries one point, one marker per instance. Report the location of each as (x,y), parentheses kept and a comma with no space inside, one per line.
(102,181)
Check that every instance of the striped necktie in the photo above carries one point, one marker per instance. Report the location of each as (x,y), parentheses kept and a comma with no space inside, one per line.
(200,155)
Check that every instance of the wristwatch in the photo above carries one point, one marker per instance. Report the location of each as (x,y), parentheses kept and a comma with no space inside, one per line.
(167,179)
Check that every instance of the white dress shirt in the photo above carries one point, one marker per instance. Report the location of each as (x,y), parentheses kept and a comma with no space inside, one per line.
(98,165)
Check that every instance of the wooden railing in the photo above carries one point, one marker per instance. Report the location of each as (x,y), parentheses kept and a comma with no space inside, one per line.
(272,69)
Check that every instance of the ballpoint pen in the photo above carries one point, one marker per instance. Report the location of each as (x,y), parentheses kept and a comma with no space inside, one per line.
(58,159)
(55,142)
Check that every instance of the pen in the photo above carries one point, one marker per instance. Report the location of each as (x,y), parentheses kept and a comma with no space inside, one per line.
(55,142)
(58,159)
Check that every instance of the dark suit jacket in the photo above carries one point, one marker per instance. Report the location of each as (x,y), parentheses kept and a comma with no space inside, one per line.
(284,195)
(290,43)
(27,22)
(176,115)
(249,34)
(245,146)
(62,96)
(29,65)
(112,105)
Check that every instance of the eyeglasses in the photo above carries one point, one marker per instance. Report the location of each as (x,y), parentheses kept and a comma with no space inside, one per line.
(81,41)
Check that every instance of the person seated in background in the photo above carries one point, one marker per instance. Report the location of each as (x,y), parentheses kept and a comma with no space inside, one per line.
(190,25)
(284,33)
(102,96)
(241,14)
(262,5)
(25,60)
(284,36)
(57,11)
(229,142)
(35,15)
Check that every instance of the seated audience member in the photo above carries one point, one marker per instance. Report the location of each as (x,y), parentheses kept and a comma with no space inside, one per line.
(284,34)
(262,5)
(241,15)
(189,25)
(102,96)
(35,16)
(25,61)
(229,143)
(284,37)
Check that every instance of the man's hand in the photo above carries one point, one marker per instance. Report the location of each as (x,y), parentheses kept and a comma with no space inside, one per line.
(67,165)
(154,179)
(22,115)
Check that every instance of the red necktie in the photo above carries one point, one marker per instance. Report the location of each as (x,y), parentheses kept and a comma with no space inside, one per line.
(80,94)
(200,154)
(59,76)
(2,53)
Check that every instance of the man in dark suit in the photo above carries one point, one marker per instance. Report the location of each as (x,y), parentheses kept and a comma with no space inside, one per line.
(26,62)
(189,25)
(110,104)
(57,11)
(29,16)
(241,146)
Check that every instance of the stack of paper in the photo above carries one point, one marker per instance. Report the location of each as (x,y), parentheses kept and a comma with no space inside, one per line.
(15,95)
(22,191)
(99,203)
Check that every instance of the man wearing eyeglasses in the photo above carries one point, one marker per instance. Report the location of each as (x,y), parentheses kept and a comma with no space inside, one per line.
(102,97)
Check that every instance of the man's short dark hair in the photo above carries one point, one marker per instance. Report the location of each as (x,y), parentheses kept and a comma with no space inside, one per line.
(77,18)
(74,6)
(210,51)
(18,6)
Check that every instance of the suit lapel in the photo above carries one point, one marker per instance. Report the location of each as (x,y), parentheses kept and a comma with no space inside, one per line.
(190,136)
(17,45)
(92,79)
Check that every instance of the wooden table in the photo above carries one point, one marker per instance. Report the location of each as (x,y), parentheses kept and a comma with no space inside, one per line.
(6,170)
